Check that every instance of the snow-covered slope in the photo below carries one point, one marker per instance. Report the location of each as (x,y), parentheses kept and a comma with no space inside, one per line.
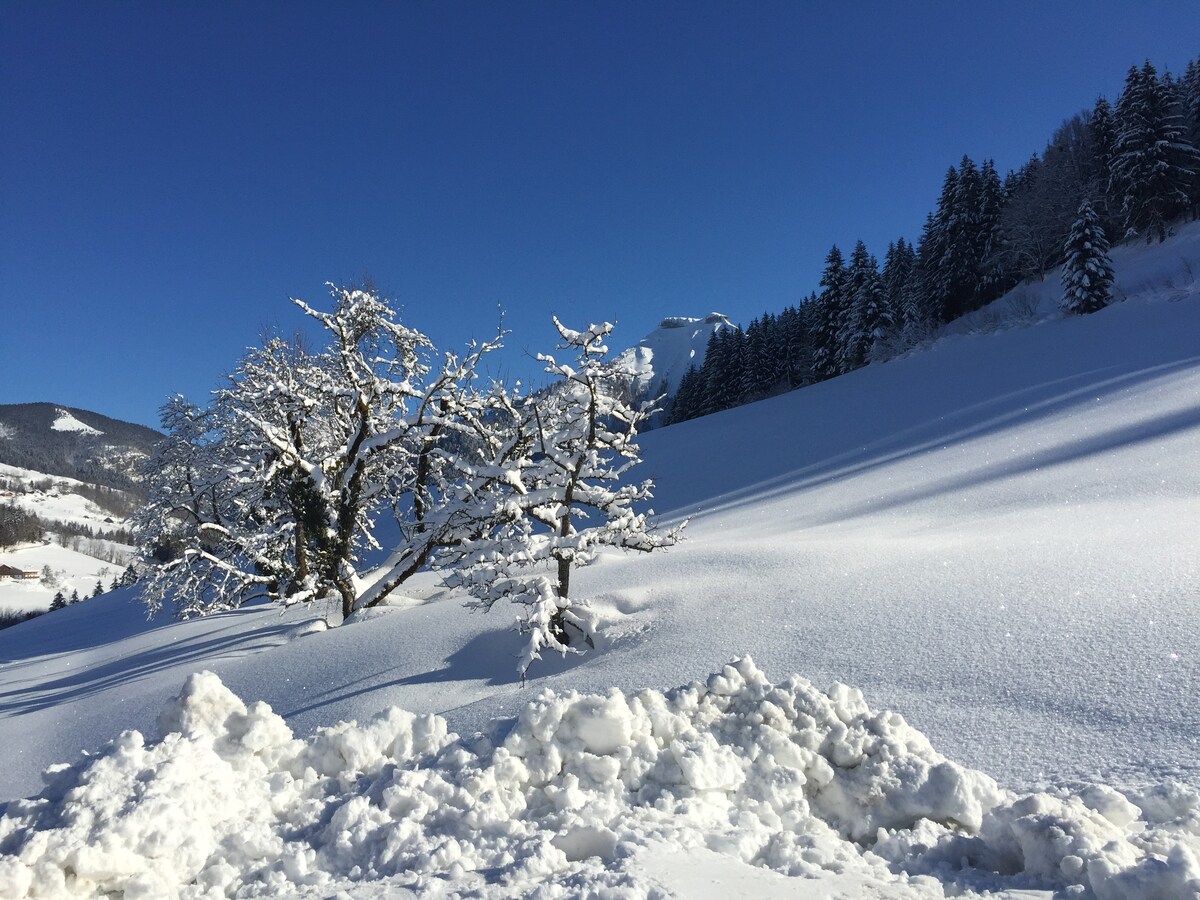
(995,538)
(76,561)
(662,357)
(65,421)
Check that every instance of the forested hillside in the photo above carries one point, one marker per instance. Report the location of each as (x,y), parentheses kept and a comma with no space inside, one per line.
(73,443)
(1135,164)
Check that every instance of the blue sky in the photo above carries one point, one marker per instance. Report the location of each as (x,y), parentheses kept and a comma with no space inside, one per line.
(170,173)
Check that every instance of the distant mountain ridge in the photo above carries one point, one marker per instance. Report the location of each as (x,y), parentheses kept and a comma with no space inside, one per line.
(74,443)
(662,357)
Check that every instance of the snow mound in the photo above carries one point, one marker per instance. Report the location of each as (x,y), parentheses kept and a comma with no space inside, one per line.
(67,422)
(781,776)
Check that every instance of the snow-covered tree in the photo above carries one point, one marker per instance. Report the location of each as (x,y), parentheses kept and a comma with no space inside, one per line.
(564,496)
(1153,162)
(1102,132)
(688,397)
(1190,103)
(273,490)
(1087,273)
(872,318)
(829,313)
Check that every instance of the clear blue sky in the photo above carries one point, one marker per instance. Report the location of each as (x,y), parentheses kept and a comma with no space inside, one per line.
(171,172)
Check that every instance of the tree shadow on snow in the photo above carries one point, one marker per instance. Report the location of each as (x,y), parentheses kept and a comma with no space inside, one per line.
(25,694)
(488,660)
(957,426)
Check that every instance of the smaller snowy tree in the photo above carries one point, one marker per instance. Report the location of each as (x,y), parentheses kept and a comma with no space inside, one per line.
(59,602)
(1087,273)
(574,446)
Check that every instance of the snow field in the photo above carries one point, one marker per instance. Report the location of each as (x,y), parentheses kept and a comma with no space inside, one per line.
(996,537)
(782,776)
(67,422)
(74,571)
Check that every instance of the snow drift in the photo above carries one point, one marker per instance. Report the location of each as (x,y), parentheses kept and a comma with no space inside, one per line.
(782,776)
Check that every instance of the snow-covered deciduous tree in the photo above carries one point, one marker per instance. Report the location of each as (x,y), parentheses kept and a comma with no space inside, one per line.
(564,496)
(274,488)
(1087,273)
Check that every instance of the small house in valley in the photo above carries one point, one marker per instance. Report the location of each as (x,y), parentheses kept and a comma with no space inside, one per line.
(17,574)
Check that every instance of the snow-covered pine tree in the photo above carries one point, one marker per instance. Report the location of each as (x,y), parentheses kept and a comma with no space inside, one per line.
(685,404)
(937,241)
(852,340)
(874,319)
(829,311)
(565,495)
(801,342)
(1087,275)
(1102,130)
(724,370)
(1190,91)
(991,279)
(1153,162)
(760,373)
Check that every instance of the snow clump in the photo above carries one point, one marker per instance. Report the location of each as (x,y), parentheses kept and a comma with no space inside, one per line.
(229,802)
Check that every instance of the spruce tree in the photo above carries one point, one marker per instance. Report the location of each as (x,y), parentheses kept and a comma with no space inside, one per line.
(871,317)
(684,403)
(1190,95)
(935,241)
(801,341)
(760,373)
(830,304)
(1102,130)
(59,602)
(991,279)
(898,265)
(1153,164)
(1087,275)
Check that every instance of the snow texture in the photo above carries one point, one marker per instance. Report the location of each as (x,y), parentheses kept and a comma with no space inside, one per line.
(782,776)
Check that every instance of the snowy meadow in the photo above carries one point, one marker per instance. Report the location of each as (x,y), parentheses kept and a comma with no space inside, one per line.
(933,631)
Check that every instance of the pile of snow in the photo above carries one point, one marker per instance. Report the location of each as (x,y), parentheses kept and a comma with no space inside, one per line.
(784,776)
(67,422)
(662,357)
